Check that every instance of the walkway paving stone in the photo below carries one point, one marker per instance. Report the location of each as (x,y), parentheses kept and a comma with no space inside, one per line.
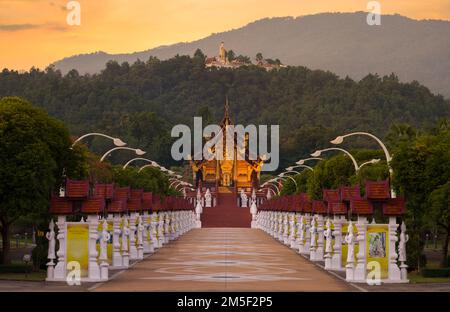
(225,259)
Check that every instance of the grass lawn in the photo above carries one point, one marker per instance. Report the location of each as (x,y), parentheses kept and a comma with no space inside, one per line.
(414,277)
(16,271)
(33,276)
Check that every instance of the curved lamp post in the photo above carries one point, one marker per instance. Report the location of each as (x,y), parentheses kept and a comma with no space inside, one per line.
(268,188)
(280,183)
(117,142)
(355,164)
(176,177)
(302,161)
(319,152)
(340,139)
(267,184)
(291,171)
(153,164)
(175,181)
(283,175)
(299,166)
(137,151)
(135,159)
(370,162)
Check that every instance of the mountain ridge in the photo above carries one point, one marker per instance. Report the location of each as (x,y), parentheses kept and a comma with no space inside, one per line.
(342,43)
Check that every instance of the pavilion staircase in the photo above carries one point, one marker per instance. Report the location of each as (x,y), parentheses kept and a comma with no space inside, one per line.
(226,213)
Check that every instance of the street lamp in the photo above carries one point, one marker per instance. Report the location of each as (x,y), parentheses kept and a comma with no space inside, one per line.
(340,139)
(270,183)
(277,180)
(175,181)
(370,162)
(137,151)
(135,159)
(355,164)
(152,164)
(302,161)
(299,166)
(283,175)
(292,171)
(117,142)
(319,152)
(269,189)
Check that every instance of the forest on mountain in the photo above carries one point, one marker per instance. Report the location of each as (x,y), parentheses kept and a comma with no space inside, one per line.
(141,102)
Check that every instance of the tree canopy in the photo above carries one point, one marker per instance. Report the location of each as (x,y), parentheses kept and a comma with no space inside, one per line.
(311,106)
(34,154)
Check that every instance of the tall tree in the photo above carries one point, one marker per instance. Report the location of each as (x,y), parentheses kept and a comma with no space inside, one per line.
(259,57)
(440,215)
(34,153)
(231,55)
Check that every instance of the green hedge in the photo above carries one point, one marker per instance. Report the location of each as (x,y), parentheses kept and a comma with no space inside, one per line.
(15,268)
(442,272)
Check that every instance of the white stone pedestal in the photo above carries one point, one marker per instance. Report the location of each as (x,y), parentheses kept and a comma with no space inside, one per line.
(360,269)
(306,246)
(94,268)
(117,262)
(394,270)
(133,249)
(320,239)
(60,268)
(336,260)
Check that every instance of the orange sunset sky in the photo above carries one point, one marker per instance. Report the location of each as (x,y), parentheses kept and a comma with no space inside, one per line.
(35,32)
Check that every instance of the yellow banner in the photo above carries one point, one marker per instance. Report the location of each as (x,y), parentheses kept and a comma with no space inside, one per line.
(78,246)
(377,247)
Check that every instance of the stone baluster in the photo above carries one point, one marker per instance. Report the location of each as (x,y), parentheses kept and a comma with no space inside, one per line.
(313,239)
(360,269)
(402,253)
(280,226)
(104,239)
(132,236)
(301,234)
(285,228)
(336,261)
(166,227)
(154,230)
(306,247)
(292,231)
(140,238)
(253,211)
(272,223)
(51,237)
(320,238)
(60,268)
(117,257)
(94,268)
(198,212)
(350,266)
(161,237)
(125,243)
(147,243)
(328,234)
(394,271)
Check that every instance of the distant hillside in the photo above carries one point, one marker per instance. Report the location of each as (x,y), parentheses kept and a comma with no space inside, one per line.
(140,103)
(339,42)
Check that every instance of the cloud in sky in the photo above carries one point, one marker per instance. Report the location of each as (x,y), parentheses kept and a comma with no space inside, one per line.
(17,27)
(122,26)
(20,27)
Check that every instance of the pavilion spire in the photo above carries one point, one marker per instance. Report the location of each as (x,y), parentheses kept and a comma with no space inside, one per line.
(227,107)
(226,118)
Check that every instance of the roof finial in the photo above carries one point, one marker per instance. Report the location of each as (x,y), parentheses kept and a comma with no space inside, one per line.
(227,107)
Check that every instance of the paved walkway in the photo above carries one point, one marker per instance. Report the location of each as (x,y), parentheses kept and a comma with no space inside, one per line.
(225,259)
